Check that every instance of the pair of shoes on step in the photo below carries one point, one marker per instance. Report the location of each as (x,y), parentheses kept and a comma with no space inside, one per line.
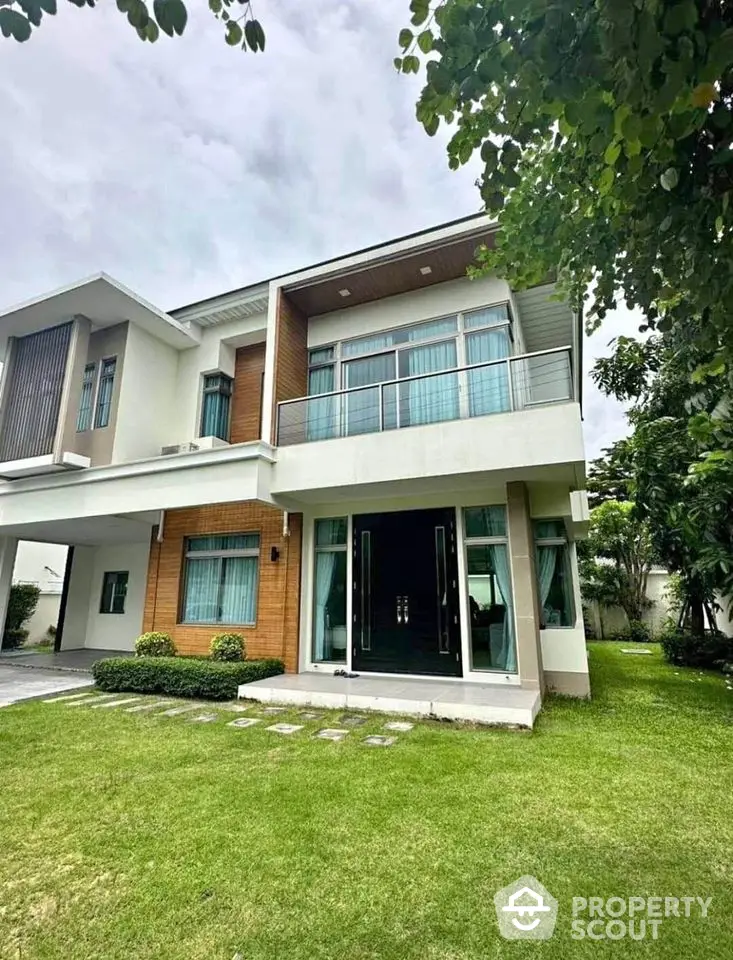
(345,673)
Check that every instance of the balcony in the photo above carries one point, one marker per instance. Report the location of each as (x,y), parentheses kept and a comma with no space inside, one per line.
(473,427)
(478,390)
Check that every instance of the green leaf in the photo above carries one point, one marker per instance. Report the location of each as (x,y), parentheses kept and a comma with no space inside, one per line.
(260,34)
(178,15)
(405,38)
(704,94)
(718,224)
(669,179)
(431,125)
(233,34)
(215,6)
(606,181)
(411,64)
(681,17)
(32,10)
(425,41)
(631,127)
(612,153)
(14,24)
(420,10)
(137,15)
(397,63)
(48,5)
(250,36)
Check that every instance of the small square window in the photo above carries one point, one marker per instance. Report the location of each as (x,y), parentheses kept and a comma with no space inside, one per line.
(114,592)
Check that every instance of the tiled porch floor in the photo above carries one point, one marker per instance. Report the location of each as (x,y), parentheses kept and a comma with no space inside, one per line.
(448,700)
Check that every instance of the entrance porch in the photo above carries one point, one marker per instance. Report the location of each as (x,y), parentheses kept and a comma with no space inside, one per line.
(441,699)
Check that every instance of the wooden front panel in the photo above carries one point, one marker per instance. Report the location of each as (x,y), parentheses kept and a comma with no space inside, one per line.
(275,634)
(291,355)
(249,369)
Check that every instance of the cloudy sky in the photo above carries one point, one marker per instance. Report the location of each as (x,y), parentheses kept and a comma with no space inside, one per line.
(185,168)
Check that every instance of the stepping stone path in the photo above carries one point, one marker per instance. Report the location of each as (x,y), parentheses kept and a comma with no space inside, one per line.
(647,652)
(114,703)
(399,725)
(350,720)
(95,698)
(175,711)
(204,718)
(243,722)
(285,728)
(272,711)
(307,715)
(376,741)
(148,706)
(236,707)
(70,696)
(331,734)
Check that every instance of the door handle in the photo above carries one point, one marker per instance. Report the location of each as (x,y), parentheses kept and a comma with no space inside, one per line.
(406,609)
(399,609)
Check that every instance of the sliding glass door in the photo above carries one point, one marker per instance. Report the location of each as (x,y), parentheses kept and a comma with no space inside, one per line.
(362,406)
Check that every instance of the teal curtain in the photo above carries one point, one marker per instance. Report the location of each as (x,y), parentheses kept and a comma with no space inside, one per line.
(201,596)
(239,590)
(488,387)
(325,566)
(362,406)
(322,420)
(435,398)
(504,652)
(215,415)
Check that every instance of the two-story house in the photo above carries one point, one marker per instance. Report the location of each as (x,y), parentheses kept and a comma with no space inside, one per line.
(374,465)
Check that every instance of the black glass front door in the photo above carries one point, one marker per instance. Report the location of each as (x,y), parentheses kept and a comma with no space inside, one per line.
(405,601)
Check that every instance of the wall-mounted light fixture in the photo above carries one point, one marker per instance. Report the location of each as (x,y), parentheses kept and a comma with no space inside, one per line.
(274,554)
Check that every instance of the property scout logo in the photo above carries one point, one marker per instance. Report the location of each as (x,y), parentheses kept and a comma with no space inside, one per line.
(527,911)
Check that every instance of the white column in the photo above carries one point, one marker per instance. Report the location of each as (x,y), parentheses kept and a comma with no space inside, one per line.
(8,550)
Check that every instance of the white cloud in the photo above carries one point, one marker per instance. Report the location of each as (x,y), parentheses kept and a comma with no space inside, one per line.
(186,168)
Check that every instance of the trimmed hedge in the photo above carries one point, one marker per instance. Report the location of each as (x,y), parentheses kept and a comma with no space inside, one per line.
(181,676)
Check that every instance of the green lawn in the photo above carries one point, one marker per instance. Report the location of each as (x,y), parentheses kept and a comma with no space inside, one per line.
(130,836)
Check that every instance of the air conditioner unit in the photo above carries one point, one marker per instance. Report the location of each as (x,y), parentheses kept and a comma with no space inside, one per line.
(178,448)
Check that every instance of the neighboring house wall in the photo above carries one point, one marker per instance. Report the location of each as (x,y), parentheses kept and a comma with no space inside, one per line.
(275,633)
(46,615)
(608,620)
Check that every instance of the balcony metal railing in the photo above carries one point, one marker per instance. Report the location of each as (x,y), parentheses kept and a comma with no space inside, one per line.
(476,390)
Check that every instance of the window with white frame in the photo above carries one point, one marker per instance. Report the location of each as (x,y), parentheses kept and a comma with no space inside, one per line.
(402,377)
(86,400)
(220,579)
(490,593)
(105,392)
(329,590)
(554,574)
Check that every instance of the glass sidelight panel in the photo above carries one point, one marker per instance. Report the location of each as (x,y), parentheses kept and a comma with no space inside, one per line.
(329,591)
(491,608)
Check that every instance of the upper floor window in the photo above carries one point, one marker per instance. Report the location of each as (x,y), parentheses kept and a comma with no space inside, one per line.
(104,394)
(86,402)
(215,406)
(554,574)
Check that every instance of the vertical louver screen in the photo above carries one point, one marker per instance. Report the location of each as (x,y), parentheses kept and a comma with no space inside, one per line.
(33,393)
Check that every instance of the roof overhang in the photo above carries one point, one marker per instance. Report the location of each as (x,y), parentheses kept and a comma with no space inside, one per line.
(101,299)
(404,266)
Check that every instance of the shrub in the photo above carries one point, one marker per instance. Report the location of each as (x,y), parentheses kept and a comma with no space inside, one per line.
(155,645)
(14,638)
(636,632)
(181,676)
(227,646)
(22,604)
(687,649)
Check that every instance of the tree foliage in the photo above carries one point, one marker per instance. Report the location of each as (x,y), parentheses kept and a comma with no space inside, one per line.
(617,558)
(18,19)
(610,476)
(605,132)
(681,477)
